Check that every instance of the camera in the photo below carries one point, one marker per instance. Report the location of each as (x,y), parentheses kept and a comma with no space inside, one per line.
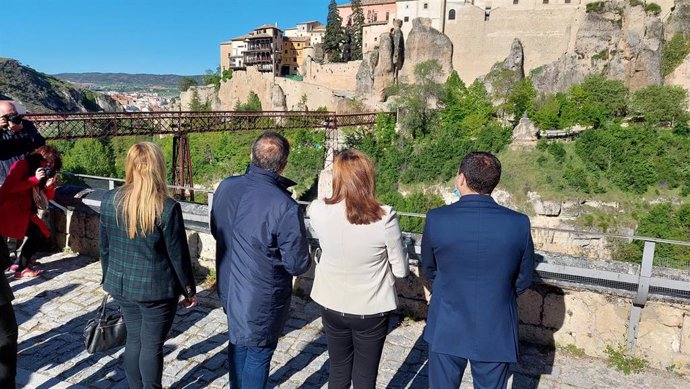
(50,172)
(13,118)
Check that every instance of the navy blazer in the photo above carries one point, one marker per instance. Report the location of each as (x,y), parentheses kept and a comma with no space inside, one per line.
(260,244)
(479,257)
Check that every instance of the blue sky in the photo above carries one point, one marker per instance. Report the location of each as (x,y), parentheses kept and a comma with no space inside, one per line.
(145,36)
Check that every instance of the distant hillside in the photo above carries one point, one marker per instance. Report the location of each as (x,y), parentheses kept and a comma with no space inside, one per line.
(125,82)
(40,92)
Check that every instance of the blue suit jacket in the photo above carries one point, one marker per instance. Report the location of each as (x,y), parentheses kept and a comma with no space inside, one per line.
(479,257)
(260,244)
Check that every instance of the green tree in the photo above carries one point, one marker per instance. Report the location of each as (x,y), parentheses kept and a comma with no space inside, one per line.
(185,82)
(356,29)
(520,100)
(214,78)
(415,99)
(335,34)
(660,104)
(253,103)
(547,115)
(90,156)
(597,100)
(196,104)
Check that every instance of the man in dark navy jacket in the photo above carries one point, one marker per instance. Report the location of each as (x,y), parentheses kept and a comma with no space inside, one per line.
(260,245)
(479,257)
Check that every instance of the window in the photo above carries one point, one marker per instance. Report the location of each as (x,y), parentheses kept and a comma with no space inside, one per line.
(567,1)
(516,1)
(451,14)
(294,59)
(407,18)
(426,5)
(388,16)
(375,39)
(285,51)
(545,1)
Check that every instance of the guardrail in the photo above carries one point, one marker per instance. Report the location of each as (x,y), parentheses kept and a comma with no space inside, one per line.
(642,283)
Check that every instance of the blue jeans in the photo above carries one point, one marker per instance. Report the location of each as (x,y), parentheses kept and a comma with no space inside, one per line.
(249,366)
(148,325)
(446,371)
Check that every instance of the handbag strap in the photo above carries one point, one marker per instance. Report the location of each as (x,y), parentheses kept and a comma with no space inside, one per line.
(101,312)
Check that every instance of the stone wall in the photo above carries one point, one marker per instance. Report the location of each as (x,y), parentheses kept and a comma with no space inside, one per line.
(551,314)
(335,76)
(251,80)
(545,33)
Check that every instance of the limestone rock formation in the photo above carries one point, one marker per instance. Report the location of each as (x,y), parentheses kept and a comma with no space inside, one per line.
(525,132)
(620,41)
(505,74)
(681,76)
(384,75)
(365,73)
(424,43)
(544,207)
(679,21)
(278,102)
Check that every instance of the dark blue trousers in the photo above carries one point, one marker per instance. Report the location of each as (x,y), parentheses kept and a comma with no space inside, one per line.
(249,366)
(446,371)
(148,325)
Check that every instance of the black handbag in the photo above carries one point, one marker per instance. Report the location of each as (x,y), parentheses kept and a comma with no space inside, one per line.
(104,332)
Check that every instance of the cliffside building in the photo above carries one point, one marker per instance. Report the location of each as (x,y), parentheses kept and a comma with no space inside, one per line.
(293,55)
(232,53)
(264,49)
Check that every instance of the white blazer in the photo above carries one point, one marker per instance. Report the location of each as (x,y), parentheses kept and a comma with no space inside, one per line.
(359,263)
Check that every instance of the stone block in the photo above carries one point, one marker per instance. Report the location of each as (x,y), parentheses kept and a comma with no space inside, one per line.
(530,306)
(194,244)
(59,220)
(207,245)
(554,311)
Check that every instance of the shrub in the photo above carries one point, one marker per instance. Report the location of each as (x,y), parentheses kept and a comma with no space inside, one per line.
(597,6)
(652,8)
(660,103)
(674,52)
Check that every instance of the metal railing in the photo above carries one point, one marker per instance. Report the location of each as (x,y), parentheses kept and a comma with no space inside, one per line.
(635,279)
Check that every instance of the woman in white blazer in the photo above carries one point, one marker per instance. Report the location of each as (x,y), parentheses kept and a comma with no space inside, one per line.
(362,253)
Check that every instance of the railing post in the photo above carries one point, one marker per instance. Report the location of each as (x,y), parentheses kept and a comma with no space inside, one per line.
(642,293)
(210,204)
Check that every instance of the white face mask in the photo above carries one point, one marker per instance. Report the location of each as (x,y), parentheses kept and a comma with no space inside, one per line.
(457,193)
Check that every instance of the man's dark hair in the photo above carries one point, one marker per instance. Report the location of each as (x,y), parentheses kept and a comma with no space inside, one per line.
(482,171)
(270,151)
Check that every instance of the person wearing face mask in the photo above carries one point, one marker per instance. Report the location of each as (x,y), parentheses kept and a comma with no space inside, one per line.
(18,137)
(479,257)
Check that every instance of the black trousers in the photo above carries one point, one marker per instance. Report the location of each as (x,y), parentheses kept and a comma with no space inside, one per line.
(34,241)
(8,346)
(354,349)
(148,325)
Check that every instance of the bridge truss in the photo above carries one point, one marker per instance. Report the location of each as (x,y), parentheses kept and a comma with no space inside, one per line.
(71,126)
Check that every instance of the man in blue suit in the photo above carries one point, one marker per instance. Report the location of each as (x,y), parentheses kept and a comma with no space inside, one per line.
(479,257)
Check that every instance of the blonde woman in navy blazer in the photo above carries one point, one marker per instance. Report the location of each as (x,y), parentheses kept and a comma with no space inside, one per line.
(355,277)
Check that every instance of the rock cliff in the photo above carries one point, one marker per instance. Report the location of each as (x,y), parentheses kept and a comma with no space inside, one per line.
(616,39)
(41,93)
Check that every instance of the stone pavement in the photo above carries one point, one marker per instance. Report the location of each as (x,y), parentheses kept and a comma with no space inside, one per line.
(53,309)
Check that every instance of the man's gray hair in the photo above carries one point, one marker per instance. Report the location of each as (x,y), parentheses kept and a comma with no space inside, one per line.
(270,151)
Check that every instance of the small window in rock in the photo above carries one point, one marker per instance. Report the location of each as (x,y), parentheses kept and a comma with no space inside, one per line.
(451,14)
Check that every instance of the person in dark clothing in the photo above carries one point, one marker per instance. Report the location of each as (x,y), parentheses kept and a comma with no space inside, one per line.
(18,137)
(260,245)
(145,261)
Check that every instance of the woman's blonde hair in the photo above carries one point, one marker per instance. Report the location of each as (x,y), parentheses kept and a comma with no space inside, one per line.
(355,182)
(142,197)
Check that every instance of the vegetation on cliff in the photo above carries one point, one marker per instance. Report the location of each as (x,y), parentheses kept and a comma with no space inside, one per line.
(42,93)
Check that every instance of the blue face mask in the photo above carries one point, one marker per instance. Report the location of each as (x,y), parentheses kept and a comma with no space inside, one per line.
(456,192)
